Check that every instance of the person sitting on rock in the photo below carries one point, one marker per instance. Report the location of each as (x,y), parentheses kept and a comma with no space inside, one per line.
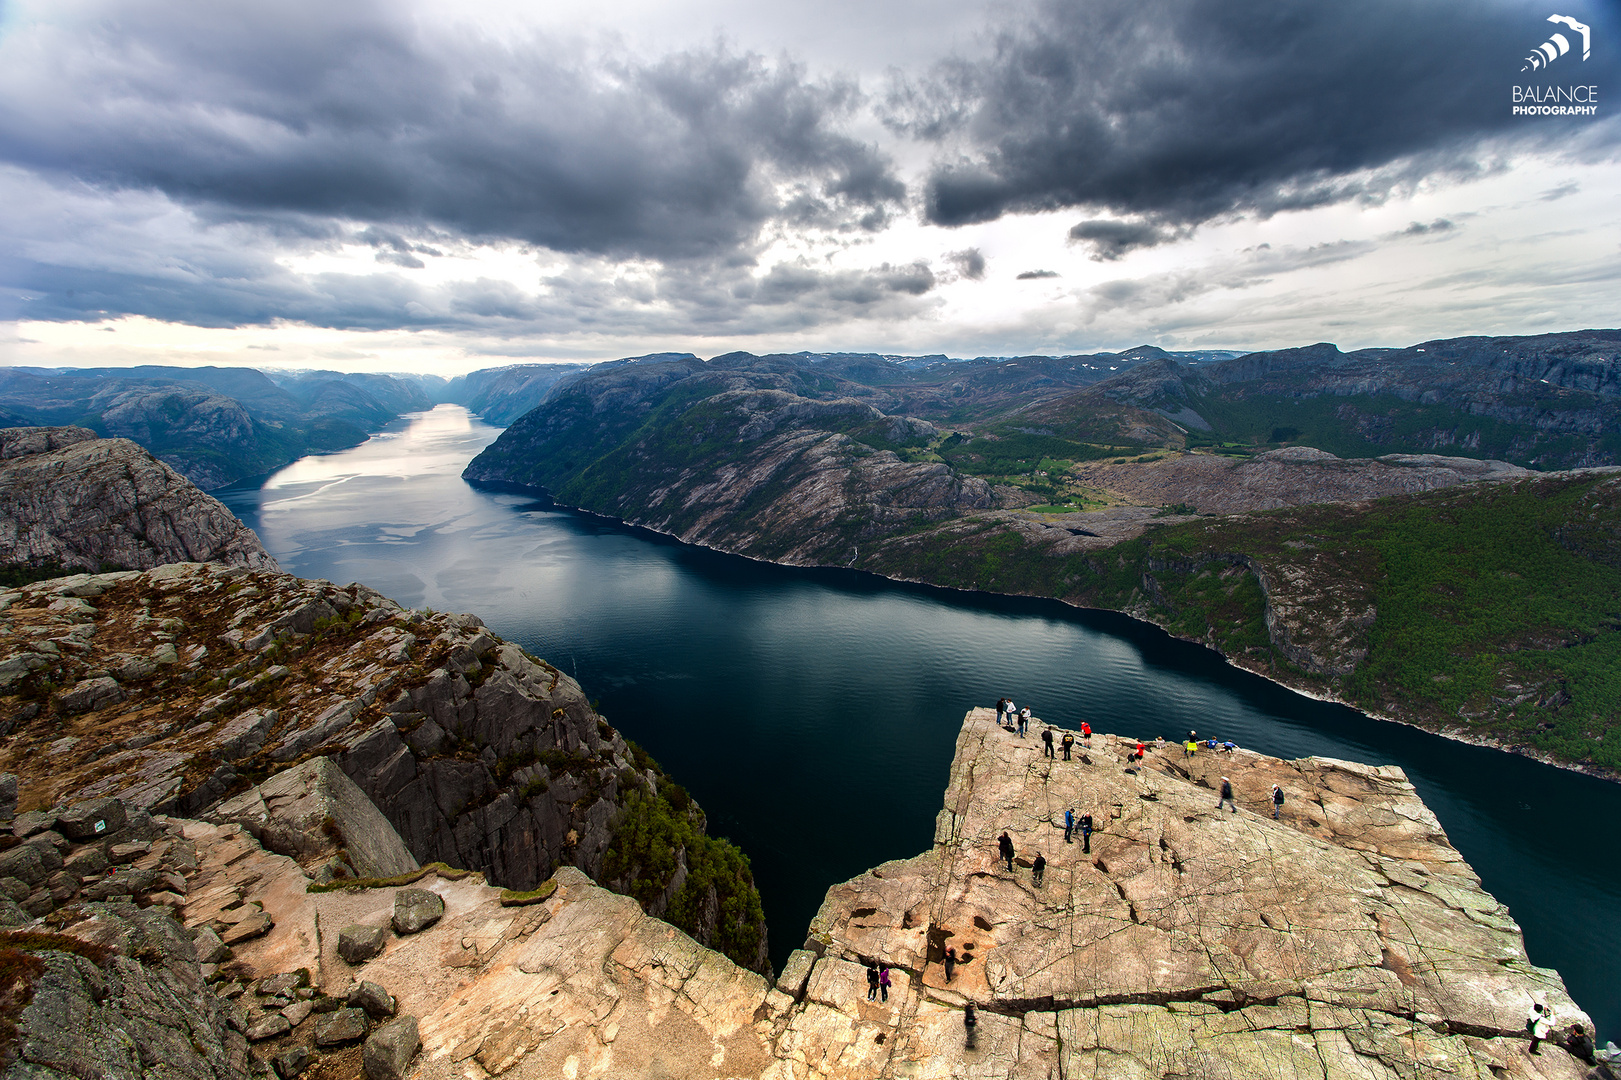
(1004,844)
(1069,744)
(1580,1044)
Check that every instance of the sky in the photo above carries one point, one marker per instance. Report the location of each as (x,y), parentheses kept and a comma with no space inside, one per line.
(438,187)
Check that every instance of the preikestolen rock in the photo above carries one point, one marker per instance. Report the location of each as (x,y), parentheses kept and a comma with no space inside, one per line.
(378,1003)
(340,1028)
(416,909)
(357,944)
(388,1052)
(88,820)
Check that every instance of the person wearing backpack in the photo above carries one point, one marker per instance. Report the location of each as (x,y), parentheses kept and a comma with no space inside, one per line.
(1277,801)
(1539,1023)
(1069,743)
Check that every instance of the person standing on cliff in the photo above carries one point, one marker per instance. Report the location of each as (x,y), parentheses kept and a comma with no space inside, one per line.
(1086,732)
(1047,744)
(883,983)
(969,1020)
(1024,721)
(872,981)
(1001,709)
(1277,801)
(1226,795)
(1069,826)
(950,962)
(1004,844)
(1008,712)
(1039,870)
(1069,744)
(1086,834)
(1540,1023)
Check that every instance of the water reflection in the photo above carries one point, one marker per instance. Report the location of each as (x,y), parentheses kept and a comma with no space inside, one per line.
(814,713)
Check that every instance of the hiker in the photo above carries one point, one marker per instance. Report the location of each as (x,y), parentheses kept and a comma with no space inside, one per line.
(1005,845)
(950,962)
(1069,826)
(1229,746)
(1226,795)
(1024,721)
(968,1022)
(1086,731)
(1277,801)
(1189,748)
(1538,1024)
(1086,834)
(872,981)
(1001,709)
(1580,1044)
(1141,750)
(883,983)
(1069,743)
(1159,743)
(1047,743)
(1039,869)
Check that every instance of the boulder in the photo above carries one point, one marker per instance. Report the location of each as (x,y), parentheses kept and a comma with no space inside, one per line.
(8,796)
(32,822)
(292,1061)
(210,949)
(88,820)
(340,1027)
(313,810)
(267,1026)
(23,863)
(88,695)
(378,1003)
(357,944)
(416,909)
(387,1054)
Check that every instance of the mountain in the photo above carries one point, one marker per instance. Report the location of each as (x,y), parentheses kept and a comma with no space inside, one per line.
(69,500)
(501,395)
(213,425)
(1011,479)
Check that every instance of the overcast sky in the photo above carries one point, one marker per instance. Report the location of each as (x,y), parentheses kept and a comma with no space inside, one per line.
(440,187)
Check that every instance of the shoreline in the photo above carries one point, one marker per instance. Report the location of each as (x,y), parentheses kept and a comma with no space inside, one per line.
(1446,732)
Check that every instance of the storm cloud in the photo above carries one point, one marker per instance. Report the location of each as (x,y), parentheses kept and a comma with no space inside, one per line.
(357,111)
(1176,112)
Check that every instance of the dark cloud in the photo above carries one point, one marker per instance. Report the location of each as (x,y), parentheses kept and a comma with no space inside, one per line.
(1032,275)
(1176,112)
(970,263)
(310,111)
(1110,239)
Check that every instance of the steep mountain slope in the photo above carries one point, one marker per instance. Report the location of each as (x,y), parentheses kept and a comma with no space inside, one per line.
(71,500)
(178,687)
(501,395)
(785,458)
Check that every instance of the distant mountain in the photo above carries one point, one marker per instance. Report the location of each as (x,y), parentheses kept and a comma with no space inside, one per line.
(213,425)
(501,395)
(1547,402)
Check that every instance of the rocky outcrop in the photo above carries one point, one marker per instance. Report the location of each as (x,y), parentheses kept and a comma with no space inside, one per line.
(177,688)
(1345,940)
(70,499)
(1292,476)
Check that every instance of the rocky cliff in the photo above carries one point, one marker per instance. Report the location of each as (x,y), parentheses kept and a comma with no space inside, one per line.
(70,499)
(1346,939)
(179,687)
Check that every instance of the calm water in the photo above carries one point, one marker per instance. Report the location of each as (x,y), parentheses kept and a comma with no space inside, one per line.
(814,713)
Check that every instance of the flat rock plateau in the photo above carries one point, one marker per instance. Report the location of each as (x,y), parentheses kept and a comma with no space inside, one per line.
(1345,940)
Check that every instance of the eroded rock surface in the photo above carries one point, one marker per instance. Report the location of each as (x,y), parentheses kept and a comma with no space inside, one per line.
(71,499)
(207,677)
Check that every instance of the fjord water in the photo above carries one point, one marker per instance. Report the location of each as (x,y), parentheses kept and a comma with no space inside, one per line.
(814,713)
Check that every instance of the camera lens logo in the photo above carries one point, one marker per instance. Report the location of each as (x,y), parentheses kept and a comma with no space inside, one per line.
(1558,44)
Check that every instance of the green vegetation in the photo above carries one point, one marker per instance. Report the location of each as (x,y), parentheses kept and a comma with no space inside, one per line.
(444,870)
(1497,606)
(651,834)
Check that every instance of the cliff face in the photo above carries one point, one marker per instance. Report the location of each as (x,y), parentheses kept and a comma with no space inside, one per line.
(71,499)
(1345,940)
(179,687)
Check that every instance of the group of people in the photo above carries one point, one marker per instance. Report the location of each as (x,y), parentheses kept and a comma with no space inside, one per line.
(1017,720)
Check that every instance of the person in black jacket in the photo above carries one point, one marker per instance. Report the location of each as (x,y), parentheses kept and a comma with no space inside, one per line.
(1004,844)
(1047,744)
(1039,869)
(1086,834)
(1226,795)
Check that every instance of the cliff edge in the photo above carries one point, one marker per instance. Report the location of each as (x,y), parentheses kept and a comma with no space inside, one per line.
(73,500)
